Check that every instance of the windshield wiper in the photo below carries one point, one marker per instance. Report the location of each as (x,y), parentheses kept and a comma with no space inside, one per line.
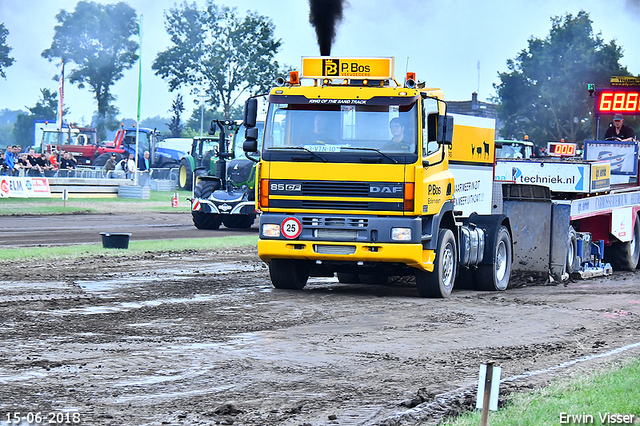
(302,148)
(359,148)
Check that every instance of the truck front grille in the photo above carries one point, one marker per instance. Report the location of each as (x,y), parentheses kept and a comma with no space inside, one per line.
(335,189)
(333,249)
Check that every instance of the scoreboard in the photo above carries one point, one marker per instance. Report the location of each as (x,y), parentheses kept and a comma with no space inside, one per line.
(618,100)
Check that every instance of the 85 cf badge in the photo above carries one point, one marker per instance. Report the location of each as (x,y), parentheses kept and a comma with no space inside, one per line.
(291,228)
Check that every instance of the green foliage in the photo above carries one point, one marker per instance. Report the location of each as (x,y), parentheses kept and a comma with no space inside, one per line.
(544,94)
(5,59)
(614,391)
(44,109)
(135,247)
(216,50)
(97,39)
(177,108)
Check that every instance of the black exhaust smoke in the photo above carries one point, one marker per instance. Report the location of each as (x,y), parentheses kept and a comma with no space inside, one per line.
(325,15)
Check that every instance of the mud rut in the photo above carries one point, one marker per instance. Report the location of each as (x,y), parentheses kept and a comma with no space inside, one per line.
(188,338)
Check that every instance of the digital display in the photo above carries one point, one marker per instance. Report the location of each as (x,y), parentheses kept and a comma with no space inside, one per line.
(617,101)
(561,149)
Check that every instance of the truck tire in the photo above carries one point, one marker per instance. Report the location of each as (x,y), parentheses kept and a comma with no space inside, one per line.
(572,253)
(347,278)
(289,274)
(204,220)
(625,256)
(439,283)
(238,221)
(496,275)
(185,175)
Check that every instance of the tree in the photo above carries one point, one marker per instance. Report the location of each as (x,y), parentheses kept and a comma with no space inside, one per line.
(544,94)
(44,109)
(216,51)
(98,40)
(175,126)
(5,59)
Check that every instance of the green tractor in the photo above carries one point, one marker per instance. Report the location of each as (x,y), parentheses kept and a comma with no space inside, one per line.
(222,177)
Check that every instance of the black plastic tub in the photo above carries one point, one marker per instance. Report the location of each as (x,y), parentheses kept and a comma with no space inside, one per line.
(115,240)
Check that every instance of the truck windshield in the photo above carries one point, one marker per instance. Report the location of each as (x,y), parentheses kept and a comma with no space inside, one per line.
(330,128)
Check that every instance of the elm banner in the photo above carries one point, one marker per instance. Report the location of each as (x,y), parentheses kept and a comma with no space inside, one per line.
(24,187)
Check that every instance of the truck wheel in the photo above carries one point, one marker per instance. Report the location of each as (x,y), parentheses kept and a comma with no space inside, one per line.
(625,256)
(239,221)
(572,252)
(204,220)
(439,283)
(496,275)
(185,175)
(289,274)
(347,278)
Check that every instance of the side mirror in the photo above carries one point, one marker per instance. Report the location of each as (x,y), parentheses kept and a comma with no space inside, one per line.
(251,140)
(250,112)
(445,129)
(250,146)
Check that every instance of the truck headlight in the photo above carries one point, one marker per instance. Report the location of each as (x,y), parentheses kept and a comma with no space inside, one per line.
(401,234)
(271,230)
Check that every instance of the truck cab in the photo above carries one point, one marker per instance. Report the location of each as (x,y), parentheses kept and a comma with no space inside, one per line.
(369,179)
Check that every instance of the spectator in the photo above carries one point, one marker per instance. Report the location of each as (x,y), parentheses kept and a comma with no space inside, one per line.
(131,166)
(145,165)
(10,160)
(45,164)
(110,166)
(53,159)
(68,162)
(121,167)
(32,165)
(145,168)
(619,131)
(4,169)
(20,164)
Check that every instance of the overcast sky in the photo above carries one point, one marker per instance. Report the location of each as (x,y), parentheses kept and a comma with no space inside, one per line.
(442,41)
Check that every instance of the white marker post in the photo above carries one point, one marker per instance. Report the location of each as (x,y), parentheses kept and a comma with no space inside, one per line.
(488,384)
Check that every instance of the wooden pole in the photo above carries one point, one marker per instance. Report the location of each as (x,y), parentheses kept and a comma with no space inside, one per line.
(487,394)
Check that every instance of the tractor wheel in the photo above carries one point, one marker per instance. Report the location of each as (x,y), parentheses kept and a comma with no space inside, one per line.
(496,275)
(185,175)
(439,283)
(289,274)
(239,221)
(625,256)
(205,188)
(204,220)
(346,278)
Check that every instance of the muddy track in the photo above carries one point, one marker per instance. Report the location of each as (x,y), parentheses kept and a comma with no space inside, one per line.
(203,338)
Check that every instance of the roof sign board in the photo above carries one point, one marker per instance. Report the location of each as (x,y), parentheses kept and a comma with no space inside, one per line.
(337,67)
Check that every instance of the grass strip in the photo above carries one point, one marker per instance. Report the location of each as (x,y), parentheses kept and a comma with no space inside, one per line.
(135,247)
(602,398)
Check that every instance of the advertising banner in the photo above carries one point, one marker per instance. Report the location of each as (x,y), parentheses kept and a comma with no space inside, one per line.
(24,187)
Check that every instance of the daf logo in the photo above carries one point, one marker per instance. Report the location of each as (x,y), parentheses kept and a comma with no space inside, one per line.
(385,189)
(224,207)
(236,167)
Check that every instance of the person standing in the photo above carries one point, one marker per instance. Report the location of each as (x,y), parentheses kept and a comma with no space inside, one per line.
(619,131)
(110,166)
(131,166)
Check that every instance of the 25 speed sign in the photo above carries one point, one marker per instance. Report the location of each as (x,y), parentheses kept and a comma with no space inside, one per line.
(291,228)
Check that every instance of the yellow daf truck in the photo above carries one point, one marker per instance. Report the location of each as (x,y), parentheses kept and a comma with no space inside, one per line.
(368,178)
